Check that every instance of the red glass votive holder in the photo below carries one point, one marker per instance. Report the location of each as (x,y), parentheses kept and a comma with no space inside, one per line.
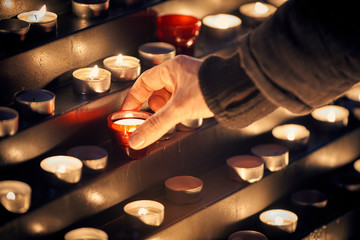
(180,31)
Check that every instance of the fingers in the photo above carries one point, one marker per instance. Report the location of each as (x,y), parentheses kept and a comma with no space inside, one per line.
(158,99)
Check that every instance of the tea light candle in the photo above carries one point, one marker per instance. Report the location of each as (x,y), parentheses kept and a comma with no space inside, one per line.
(247,235)
(9,121)
(189,125)
(155,53)
(13,30)
(354,93)
(144,213)
(86,233)
(90,9)
(123,67)
(331,116)
(282,219)
(36,101)
(41,20)
(15,196)
(256,12)
(276,157)
(221,25)
(309,197)
(293,136)
(245,168)
(93,157)
(65,168)
(357,165)
(91,80)
(183,189)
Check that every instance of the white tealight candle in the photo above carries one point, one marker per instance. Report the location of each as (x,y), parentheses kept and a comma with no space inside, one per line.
(331,116)
(183,189)
(155,53)
(293,136)
(91,80)
(130,122)
(276,157)
(15,196)
(282,219)
(247,235)
(145,213)
(246,168)
(86,234)
(256,12)
(65,168)
(123,67)
(41,19)
(221,25)
(35,102)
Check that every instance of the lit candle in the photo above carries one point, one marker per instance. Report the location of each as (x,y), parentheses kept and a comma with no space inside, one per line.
(94,158)
(183,189)
(15,196)
(35,102)
(276,157)
(65,168)
(155,53)
(9,121)
(123,67)
(91,80)
(309,197)
(293,136)
(256,12)
(144,213)
(40,20)
(90,9)
(246,168)
(221,25)
(85,234)
(331,116)
(247,235)
(282,219)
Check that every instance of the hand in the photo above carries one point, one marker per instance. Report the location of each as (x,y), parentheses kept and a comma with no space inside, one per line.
(173,92)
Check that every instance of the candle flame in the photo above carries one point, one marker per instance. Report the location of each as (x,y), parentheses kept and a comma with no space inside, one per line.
(41,13)
(10,196)
(142,212)
(260,8)
(331,116)
(61,169)
(94,72)
(291,134)
(278,220)
(119,59)
(222,22)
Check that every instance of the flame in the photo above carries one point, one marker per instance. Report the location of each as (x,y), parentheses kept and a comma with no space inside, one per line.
(142,212)
(260,8)
(61,169)
(331,116)
(119,59)
(291,134)
(222,21)
(10,196)
(41,13)
(278,220)
(94,72)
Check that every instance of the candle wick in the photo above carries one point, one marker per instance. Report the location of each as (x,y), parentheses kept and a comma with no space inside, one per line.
(35,16)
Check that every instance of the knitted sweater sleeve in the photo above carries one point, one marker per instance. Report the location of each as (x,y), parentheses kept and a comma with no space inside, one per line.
(304,56)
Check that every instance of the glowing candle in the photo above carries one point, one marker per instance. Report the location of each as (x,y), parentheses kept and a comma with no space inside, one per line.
(123,67)
(221,25)
(41,20)
(256,12)
(293,136)
(282,219)
(246,168)
(276,157)
(144,213)
(15,196)
(86,234)
(91,80)
(331,116)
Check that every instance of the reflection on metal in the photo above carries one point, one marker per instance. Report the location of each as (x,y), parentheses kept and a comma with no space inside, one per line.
(95,198)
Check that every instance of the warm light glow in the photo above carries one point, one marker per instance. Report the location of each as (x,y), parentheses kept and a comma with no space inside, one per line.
(142,211)
(119,59)
(61,169)
(359,97)
(291,134)
(132,129)
(278,220)
(41,13)
(94,72)
(331,116)
(10,196)
(222,21)
(260,8)
(8,3)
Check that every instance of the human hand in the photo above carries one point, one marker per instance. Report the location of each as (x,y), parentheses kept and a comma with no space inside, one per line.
(173,92)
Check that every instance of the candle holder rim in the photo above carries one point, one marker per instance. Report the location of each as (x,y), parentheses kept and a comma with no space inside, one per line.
(233,159)
(192,189)
(107,72)
(196,20)
(54,15)
(143,203)
(238,20)
(135,60)
(100,233)
(111,120)
(13,111)
(275,130)
(17,94)
(22,30)
(316,112)
(270,6)
(20,186)
(90,4)
(264,216)
(317,197)
(256,233)
(157,44)
(356,165)
(80,151)
(45,167)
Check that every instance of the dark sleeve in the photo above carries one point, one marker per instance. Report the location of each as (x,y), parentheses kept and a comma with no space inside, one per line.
(301,58)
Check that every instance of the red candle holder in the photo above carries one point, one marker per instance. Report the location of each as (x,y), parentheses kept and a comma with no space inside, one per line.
(180,31)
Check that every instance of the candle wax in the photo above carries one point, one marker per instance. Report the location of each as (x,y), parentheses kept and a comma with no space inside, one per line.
(15,202)
(29,17)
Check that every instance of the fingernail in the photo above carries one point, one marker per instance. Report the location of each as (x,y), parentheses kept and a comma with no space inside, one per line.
(136,140)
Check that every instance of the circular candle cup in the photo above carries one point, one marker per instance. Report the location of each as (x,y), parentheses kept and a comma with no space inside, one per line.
(254,13)
(247,235)
(357,165)
(86,233)
(9,121)
(35,102)
(90,9)
(183,189)
(128,69)
(62,169)
(144,213)
(331,117)
(93,157)
(221,25)
(276,157)
(189,125)
(83,84)
(309,197)
(277,3)
(354,93)
(349,181)
(179,30)
(282,219)
(44,25)
(15,196)
(13,30)
(293,136)
(246,168)
(155,53)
